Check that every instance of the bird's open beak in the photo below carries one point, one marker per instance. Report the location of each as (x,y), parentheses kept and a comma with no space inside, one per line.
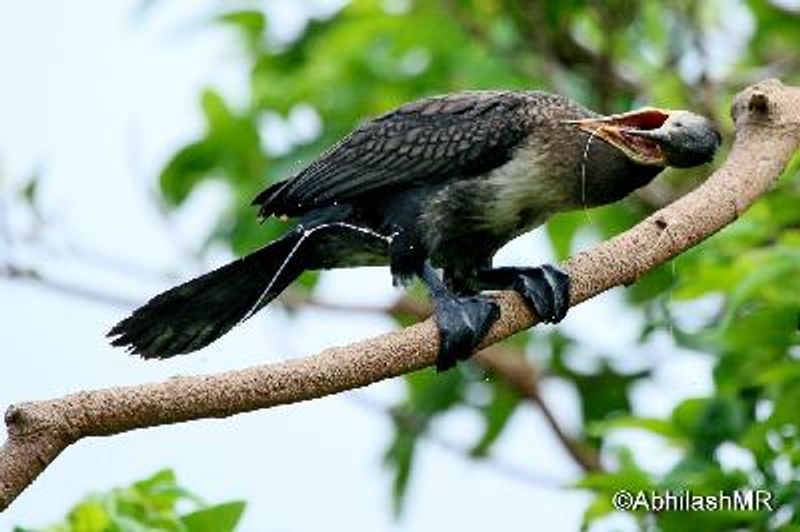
(635,133)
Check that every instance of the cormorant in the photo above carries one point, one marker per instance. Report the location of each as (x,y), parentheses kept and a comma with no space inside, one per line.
(441,182)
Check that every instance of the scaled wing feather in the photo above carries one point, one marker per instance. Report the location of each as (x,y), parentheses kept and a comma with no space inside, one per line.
(430,140)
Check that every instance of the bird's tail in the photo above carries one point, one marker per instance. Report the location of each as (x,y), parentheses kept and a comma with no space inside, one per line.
(194,314)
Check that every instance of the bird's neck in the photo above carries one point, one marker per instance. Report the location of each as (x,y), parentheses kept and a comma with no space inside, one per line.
(614,176)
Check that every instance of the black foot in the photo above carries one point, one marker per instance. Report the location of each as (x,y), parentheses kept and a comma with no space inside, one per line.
(463,322)
(546,290)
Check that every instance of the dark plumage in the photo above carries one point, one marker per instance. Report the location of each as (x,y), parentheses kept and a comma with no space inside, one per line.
(440,182)
(420,143)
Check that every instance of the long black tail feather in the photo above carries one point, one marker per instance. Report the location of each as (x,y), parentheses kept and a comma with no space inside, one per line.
(194,314)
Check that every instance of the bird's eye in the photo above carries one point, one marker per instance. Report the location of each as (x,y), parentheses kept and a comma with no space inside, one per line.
(678,124)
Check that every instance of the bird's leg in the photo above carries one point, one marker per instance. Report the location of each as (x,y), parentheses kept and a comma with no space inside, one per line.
(545,289)
(462,320)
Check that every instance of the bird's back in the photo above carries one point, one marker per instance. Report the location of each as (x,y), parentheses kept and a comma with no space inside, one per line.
(435,139)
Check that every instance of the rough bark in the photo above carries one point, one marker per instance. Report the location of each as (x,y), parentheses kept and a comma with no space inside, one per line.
(767,119)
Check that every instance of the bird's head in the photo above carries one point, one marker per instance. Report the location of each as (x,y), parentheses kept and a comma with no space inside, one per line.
(657,137)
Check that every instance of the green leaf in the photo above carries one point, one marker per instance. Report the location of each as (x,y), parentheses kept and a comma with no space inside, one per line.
(709,421)
(31,189)
(431,392)
(496,415)
(162,491)
(89,516)
(400,457)
(251,23)
(220,518)
(658,426)
(561,230)
(186,168)
(218,115)
(157,482)
(629,476)
(149,505)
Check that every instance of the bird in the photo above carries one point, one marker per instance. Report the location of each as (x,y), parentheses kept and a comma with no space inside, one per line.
(433,189)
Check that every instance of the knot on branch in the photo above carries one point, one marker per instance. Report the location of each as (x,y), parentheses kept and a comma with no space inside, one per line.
(13,417)
(758,104)
(27,420)
(768,103)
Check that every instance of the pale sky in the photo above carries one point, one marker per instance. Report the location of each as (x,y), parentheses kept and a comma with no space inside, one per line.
(97,98)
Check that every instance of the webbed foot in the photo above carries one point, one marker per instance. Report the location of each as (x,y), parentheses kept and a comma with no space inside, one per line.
(462,322)
(546,288)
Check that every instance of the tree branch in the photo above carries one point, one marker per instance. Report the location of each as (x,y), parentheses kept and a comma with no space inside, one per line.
(767,118)
(507,364)
(503,362)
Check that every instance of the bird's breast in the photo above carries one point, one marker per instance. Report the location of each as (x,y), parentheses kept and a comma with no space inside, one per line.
(526,191)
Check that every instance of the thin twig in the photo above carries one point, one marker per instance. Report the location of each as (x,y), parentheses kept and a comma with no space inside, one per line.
(408,422)
(10,271)
(522,377)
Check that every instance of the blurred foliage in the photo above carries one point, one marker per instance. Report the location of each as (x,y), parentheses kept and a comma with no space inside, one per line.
(148,505)
(735,298)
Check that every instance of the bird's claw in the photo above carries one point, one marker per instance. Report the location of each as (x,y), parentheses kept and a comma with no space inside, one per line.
(546,289)
(462,322)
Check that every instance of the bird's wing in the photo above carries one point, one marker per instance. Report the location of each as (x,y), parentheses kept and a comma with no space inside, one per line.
(454,136)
